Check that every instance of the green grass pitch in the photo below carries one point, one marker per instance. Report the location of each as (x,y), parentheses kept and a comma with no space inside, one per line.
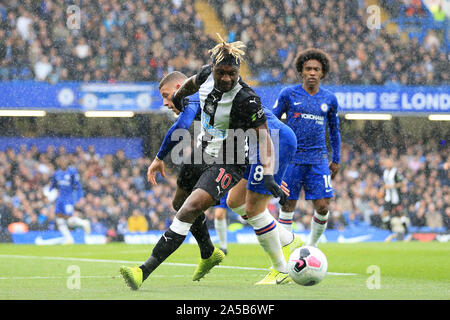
(368,271)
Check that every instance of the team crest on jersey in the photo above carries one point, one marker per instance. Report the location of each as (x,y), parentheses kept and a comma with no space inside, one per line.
(209,108)
(324,107)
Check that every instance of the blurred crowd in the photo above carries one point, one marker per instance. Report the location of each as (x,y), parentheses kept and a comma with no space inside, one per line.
(276,31)
(360,199)
(118,199)
(141,40)
(102,40)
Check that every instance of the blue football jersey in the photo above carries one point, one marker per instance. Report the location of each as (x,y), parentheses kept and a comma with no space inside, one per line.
(68,184)
(308,117)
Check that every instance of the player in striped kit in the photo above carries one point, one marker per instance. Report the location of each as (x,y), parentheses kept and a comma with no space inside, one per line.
(228,104)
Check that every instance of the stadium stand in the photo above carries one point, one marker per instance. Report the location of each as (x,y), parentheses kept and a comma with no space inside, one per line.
(122,41)
(143,40)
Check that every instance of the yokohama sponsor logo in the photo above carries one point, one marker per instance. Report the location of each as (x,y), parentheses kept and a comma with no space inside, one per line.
(308,116)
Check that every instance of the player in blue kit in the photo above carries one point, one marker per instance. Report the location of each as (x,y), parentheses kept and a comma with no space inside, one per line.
(250,198)
(309,108)
(67,181)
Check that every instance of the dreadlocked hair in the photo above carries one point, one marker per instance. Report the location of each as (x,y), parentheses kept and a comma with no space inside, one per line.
(225,49)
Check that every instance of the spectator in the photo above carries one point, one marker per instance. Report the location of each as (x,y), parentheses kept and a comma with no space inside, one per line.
(137,222)
(42,69)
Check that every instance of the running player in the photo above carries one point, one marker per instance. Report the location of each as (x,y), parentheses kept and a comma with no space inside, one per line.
(210,256)
(228,105)
(67,181)
(309,108)
(249,198)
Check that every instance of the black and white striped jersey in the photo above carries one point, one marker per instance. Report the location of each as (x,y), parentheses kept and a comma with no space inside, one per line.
(239,108)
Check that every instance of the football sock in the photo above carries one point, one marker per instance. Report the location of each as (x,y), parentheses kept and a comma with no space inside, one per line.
(240,211)
(77,222)
(62,227)
(167,244)
(285,219)
(318,225)
(221,229)
(200,232)
(266,231)
(286,237)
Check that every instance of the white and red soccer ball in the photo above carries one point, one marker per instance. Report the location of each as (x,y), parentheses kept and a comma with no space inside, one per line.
(307,266)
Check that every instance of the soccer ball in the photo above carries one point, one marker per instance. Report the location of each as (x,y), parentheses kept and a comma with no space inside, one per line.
(307,266)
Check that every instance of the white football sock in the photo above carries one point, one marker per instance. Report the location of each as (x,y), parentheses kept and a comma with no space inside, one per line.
(78,222)
(285,219)
(318,225)
(221,229)
(266,230)
(286,236)
(62,227)
(240,210)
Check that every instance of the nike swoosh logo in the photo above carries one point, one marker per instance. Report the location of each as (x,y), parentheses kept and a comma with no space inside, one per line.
(342,239)
(297,103)
(281,281)
(328,190)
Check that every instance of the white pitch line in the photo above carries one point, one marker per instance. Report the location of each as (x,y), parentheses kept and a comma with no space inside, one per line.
(139,262)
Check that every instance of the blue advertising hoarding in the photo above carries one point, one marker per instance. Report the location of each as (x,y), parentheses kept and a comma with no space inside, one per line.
(144,97)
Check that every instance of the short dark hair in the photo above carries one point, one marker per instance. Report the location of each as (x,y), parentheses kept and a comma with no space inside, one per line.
(175,75)
(313,54)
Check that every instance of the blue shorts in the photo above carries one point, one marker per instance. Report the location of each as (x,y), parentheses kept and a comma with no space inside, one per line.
(223,202)
(64,207)
(287,147)
(314,178)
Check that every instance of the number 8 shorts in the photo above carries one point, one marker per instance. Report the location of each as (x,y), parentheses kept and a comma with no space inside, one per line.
(284,152)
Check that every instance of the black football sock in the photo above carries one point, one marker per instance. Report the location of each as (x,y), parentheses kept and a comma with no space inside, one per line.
(167,244)
(200,232)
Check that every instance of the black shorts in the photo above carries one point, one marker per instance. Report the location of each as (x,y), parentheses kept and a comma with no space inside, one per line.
(189,174)
(216,179)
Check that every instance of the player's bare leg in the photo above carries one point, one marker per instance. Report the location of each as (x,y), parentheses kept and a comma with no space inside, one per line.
(198,229)
(197,202)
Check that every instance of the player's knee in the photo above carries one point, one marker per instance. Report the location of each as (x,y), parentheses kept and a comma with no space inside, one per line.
(233,204)
(322,209)
(289,206)
(220,214)
(191,209)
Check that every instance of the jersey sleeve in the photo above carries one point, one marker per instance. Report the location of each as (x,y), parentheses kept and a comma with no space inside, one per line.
(281,105)
(183,122)
(252,113)
(333,127)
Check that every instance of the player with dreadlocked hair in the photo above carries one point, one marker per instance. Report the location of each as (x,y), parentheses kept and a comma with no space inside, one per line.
(227,104)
